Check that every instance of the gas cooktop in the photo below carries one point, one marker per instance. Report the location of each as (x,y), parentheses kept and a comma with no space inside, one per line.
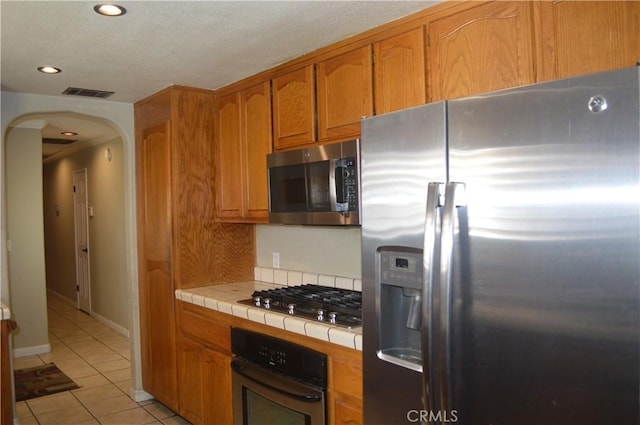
(335,306)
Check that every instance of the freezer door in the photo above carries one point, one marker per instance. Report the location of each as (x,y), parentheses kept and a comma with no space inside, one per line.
(401,153)
(546,256)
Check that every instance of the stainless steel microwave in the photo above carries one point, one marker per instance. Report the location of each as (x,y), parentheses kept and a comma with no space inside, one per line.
(318,185)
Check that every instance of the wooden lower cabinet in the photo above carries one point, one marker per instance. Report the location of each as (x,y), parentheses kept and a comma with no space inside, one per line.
(205,384)
(204,367)
(346,378)
(347,411)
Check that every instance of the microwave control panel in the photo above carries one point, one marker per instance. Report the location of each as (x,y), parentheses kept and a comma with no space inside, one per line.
(346,170)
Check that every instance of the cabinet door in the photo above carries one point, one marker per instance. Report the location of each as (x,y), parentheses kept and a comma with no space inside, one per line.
(294,109)
(400,72)
(228,156)
(344,94)
(487,47)
(347,413)
(217,387)
(192,362)
(256,126)
(158,337)
(205,384)
(590,36)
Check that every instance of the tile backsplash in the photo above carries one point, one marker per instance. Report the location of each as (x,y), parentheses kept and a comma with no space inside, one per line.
(294,277)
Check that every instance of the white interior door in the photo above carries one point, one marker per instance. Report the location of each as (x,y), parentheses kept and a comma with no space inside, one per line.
(81,220)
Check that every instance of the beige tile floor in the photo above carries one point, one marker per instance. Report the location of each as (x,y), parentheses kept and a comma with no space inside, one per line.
(97,359)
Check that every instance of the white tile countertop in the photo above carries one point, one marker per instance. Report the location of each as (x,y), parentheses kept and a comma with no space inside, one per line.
(224,298)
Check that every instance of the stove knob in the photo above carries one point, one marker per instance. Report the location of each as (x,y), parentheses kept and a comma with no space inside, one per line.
(292,308)
(320,314)
(257,300)
(267,302)
(333,316)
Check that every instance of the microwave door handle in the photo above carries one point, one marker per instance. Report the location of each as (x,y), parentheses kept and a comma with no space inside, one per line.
(333,190)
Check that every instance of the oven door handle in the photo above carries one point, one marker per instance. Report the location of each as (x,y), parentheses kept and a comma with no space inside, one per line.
(275,382)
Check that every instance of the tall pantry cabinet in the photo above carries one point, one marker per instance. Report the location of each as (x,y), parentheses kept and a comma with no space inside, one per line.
(180,244)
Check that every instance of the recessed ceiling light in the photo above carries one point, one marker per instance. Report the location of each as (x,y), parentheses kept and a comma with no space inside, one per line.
(109,9)
(49,69)
(69,133)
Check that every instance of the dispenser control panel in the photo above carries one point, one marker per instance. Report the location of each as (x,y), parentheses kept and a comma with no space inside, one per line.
(402,268)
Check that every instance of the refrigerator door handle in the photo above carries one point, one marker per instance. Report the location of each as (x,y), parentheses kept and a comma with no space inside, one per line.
(430,363)
(454,198)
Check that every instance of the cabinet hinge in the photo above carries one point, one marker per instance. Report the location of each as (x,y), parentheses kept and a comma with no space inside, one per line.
(74,188)
(77,288)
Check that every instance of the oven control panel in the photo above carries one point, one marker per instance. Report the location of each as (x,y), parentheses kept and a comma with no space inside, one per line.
(280,356)
(273,356)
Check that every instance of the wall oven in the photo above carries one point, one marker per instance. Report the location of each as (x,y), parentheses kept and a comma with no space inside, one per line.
(276,382)
(318,185)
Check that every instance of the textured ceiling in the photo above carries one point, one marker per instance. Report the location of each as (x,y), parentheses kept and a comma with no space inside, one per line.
(155,44)
(206,44)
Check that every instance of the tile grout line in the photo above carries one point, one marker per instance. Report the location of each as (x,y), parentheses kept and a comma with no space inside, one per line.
(66,327)
(76,352)
(101,373)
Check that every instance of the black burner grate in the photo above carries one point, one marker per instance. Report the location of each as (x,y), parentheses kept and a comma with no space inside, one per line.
(331,305)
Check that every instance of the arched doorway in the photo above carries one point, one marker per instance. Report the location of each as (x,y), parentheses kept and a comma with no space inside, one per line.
(20,107)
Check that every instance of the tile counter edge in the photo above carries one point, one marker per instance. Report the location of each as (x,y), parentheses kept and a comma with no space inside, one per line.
(5,313)
(223,298)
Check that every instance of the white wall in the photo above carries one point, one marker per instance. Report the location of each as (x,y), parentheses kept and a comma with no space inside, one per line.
(323,250)
(25,232)
(105,190)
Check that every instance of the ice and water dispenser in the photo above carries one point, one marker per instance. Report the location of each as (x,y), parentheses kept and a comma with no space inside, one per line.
(400,278)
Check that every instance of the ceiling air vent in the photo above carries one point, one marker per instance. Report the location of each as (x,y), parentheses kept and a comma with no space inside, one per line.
(74,91)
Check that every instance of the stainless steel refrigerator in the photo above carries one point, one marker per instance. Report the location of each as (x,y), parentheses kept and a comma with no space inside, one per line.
(501,251)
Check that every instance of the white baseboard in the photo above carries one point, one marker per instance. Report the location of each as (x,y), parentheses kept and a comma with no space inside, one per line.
(62,298)
(30,351)
(140,395)
(116,327)
(110,324)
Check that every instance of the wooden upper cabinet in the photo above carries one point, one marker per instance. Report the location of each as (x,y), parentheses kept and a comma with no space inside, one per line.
(399,67)
(344,84)
(486,47)
(256,125)
(243,140)
(228,156)
(589,36)
(294,109)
